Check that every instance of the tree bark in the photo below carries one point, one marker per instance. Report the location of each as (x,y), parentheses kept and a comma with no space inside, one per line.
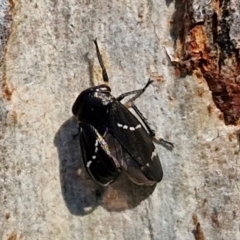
(191,51)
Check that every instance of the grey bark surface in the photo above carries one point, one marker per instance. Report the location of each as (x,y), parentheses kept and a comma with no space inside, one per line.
(48,58)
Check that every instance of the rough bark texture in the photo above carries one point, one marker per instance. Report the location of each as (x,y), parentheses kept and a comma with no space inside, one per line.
(48,57)
(209,41)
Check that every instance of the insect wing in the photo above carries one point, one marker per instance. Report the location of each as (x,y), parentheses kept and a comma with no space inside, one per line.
(100,164)
(132,169)
(136,142)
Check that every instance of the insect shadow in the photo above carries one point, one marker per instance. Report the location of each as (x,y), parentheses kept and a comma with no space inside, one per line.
(81,195)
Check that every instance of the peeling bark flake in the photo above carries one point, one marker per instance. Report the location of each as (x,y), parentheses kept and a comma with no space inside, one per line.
(209,40)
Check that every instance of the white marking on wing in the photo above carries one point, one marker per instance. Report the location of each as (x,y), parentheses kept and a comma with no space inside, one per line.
(89,163)
(138,126)
(154,154)
(103,89)
(127,127)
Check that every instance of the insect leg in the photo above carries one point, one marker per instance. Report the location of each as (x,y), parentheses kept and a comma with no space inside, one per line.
(130,104)
(161,141)
(144,120)
(104,72)
(137,93)
(165,143)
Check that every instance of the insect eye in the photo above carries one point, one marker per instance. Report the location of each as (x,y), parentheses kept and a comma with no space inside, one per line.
(103,89)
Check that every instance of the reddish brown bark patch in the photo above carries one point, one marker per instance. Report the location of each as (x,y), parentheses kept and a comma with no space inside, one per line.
(198,231)
(6,26)
(6,88)
(207,41)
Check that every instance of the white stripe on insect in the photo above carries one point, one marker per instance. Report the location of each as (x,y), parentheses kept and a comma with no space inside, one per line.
(89,163)
(138,126)
(127,127)
(96,146)
(154,154)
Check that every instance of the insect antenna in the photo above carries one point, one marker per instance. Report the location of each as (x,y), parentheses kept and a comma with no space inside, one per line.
(104,72)
(137,93)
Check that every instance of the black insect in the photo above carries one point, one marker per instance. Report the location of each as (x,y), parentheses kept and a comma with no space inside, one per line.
(112,139)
